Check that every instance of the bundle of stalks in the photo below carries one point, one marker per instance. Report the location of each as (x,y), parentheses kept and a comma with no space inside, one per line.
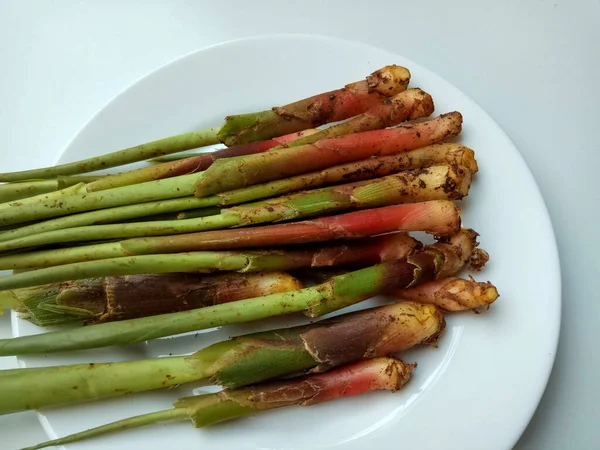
(195,242)
(409,104)
(435,155)
(232,173)
(445,258)
(130,296)
(237,362)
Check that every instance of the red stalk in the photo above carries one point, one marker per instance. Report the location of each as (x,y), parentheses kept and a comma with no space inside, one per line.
(230,174)
(439,217)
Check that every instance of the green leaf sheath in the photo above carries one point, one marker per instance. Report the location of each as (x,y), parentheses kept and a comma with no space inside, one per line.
(440,217)
(311,112)
(410,104)
(240,361)
(123,230)
(443,182)
(203,410)
(184,262)
(236,150)
(109,215)
(170,415)
(336,293)
(15,191)
(76,199)
(24,389)
(228,174)
(46,258)
(141,152)
(445,153)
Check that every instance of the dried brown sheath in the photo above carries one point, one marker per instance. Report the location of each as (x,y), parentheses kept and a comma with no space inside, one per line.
(131,296)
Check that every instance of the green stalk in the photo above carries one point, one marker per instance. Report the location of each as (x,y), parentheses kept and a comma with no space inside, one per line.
(123,230)
(77,199)
(240,361)
(191,214)
(338,292)
(104,216)
(185,262)
(441,182)
(169,415)
(203,410)
(15,191)
(93,381)
(129,155)
(175,157)
(45,258)
(198,212)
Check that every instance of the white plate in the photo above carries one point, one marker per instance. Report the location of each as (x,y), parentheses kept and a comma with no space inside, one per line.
(477,390)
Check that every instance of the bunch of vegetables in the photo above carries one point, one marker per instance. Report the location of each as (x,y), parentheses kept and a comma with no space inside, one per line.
(194,241)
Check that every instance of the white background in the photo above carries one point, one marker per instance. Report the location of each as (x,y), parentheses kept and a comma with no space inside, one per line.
(531,64)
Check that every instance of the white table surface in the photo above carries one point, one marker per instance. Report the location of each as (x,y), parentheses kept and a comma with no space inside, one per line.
(531,64)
